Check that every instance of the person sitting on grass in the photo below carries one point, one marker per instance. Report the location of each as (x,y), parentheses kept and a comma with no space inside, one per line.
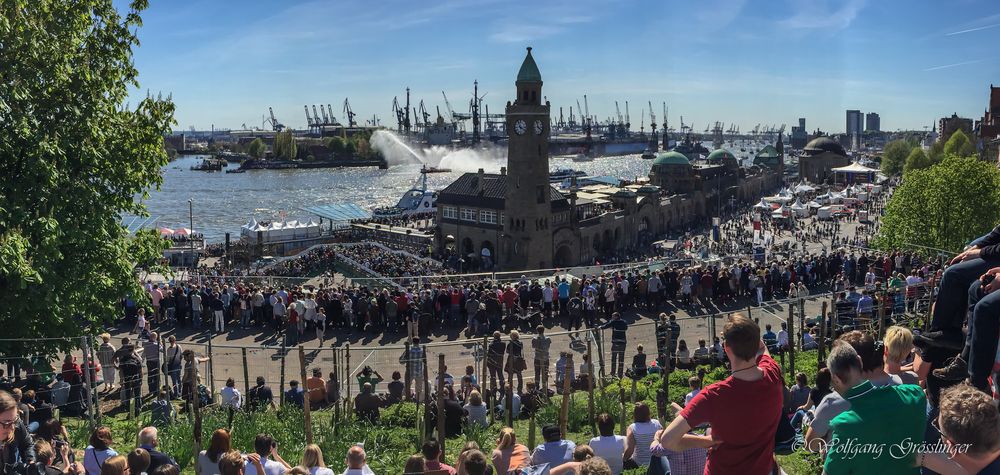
(148,440)
(45,456)
(138,461)
(474,463)
(264,446)
(509,455)
(432,457)
(356,463)
(580,454)
(970,424)
(233,463)
(312,461)
(294,396)
(117,465)
(366,405)
(555,451)
(608,445)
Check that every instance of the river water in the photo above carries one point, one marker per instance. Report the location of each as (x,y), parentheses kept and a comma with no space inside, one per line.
(225,201)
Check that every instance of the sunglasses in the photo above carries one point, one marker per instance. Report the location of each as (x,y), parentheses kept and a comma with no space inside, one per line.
(8,424)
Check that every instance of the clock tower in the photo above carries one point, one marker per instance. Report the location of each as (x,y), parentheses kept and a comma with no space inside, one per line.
(528,223)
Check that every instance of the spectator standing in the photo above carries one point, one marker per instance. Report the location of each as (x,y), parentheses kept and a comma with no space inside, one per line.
(540,344)
(151,352)
(516,363)
(618,343)
(106,354)
(494,360)
(174,353)
(743,409)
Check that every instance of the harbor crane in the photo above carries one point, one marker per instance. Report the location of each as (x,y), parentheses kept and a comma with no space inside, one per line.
(586,110)
(315,116)
(642,123)
(572,120)
(326,118)
(618,111)
(628,120)
(396,109)
(309,120)
(349,113)
(447,106)
(423,113)
(275,125)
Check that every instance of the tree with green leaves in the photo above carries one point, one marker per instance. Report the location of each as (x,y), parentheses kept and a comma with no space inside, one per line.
(916,160)
(942,207)
(336,145)
(894,156)
(285,147)
(350,149)
(73,158)
(959,145)
(257,148)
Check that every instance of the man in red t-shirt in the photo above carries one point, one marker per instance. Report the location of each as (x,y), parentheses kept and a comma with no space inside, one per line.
(743,410)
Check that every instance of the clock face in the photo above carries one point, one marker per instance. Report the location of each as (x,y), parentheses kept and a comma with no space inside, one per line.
(520,127)
(539,127)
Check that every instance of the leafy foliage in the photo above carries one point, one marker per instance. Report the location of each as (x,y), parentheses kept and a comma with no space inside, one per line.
(917,160)
(959,145)
(73,158)
(285,147)
(942,207)
(894,156)
(257,148)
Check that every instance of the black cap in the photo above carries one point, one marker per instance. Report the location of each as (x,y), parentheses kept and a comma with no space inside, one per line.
(551,432)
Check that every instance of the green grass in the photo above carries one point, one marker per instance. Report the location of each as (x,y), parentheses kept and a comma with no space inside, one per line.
(395,438)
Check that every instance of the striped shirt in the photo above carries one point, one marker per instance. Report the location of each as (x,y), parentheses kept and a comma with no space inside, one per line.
(643,433)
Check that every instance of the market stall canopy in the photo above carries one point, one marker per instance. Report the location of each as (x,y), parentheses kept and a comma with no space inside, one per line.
(855,168)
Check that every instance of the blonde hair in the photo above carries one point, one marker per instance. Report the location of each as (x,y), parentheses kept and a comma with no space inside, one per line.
(898,343)
(312,457)
(475,398)
(106,337)
(114,466)
(507,438)
(514,335)
(298,470)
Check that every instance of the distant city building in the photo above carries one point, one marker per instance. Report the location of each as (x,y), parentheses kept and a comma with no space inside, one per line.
(855,122)
(948,125)
(989,126)
(800,135)
(872,123)
(819,158)
(516,220)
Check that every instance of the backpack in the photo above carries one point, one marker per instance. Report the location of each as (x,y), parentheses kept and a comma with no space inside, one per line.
(131,367)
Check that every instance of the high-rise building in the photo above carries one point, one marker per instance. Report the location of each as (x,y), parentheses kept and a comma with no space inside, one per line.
(872,122)
(948,125)
(855,122)
(799,135)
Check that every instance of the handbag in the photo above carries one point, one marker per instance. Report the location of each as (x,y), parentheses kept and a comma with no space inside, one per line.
(520,364)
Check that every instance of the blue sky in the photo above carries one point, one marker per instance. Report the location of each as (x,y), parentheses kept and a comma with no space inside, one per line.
(736,61)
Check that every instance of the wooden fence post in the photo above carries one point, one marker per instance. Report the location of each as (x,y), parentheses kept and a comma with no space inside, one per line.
(347,375)
(802,314)
(590,386)
(425,382)
(564,413)
(408,371)
(791,340)
(834,317)
(508,404)
(440,402)
(822,336)
(531,430)
(307,403)
(621,400)
(246,374)
(87,364)
(281,389)
(193,382)
(211,368)
(336,384)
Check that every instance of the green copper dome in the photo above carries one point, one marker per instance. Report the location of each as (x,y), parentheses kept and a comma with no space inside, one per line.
(720,155)
(529,70)
(767,152)
(671,158)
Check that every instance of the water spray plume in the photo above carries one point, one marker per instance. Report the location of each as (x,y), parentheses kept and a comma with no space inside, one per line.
(397,152)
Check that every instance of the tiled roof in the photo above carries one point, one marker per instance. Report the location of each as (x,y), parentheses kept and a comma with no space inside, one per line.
(465,191)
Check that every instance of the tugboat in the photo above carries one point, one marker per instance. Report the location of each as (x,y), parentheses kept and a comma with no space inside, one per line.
(648,154)
(416,201)
(209,165)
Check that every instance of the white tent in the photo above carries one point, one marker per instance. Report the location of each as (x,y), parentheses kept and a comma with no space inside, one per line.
(802,188)
(799,209)
(781,212)
(762,205)
(813,204)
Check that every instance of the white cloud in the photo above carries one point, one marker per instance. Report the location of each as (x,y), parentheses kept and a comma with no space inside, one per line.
(820,15)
